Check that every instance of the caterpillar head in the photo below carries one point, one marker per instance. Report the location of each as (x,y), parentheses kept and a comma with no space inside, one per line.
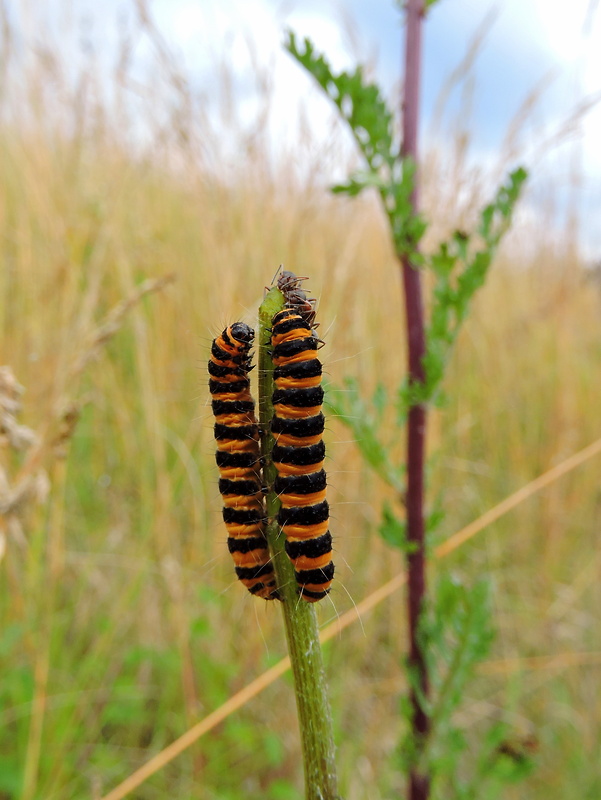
(242,333)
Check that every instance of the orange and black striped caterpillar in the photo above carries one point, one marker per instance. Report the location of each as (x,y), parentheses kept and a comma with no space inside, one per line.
(238,460)
(299,452)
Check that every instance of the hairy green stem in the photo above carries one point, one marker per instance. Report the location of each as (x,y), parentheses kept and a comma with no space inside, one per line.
(302,633)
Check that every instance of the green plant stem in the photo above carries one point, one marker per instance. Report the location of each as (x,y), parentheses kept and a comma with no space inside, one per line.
(300,620)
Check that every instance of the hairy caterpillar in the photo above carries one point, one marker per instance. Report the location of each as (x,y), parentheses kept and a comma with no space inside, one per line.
(237,456)
(299,451)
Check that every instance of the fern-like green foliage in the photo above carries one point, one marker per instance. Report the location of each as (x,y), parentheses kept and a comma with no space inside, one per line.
(371,123)
(365,421)
(457,633)
(459,265)
(460,268)
(455,630)
(359,103)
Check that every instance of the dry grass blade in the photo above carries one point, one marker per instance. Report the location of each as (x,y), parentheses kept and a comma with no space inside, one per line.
(518,497)
(263,681)
(114,320)
(19,438)
(555,661)
(464,68)
(204,726)
(54,433)
(31,483)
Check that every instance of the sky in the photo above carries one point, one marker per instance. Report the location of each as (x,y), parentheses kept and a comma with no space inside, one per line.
(545,45)
(548,46)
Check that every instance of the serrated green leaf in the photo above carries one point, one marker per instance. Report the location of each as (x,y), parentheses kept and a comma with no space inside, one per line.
(359,102)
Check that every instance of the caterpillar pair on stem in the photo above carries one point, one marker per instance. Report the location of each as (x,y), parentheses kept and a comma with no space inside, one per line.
(298,453)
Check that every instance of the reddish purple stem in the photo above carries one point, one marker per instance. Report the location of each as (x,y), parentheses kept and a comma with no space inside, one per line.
(419,784)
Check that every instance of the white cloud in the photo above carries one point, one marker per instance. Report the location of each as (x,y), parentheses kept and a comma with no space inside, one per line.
(244,38)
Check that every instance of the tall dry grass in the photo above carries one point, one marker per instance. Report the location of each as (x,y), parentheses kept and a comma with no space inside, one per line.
(121,621)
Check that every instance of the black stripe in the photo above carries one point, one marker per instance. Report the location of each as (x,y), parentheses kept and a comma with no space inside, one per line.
(226,338)
(301,484)
(299,398)
(226,460)
(310,548)
(248,573)
(287,322)
(219,371)
(222,355)
(279,317)
(232,407)
(307,426)
(238,432)
(320,575)
(294,347)
(259,587)
(242,488)
(313,595)
(242,357)
(242,516)
(246,545)
(299,456)
(236,387)
(303,515)
(300,369)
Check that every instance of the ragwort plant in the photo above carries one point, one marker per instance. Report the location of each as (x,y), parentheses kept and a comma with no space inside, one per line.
(449,627)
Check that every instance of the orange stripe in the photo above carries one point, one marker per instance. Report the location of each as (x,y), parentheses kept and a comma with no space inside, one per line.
(249,473)
(284,440)
(304,355)
(237,530)
(300,500)
(251,502)
(256,558)
(290,336)
(292,412)
(237,446)
(234,349)
(240,420)
(304,532)
(297,383)
(304,562)
(294,469)
(225,396)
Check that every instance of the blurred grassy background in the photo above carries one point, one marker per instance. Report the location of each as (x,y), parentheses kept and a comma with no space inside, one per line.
(122,623)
